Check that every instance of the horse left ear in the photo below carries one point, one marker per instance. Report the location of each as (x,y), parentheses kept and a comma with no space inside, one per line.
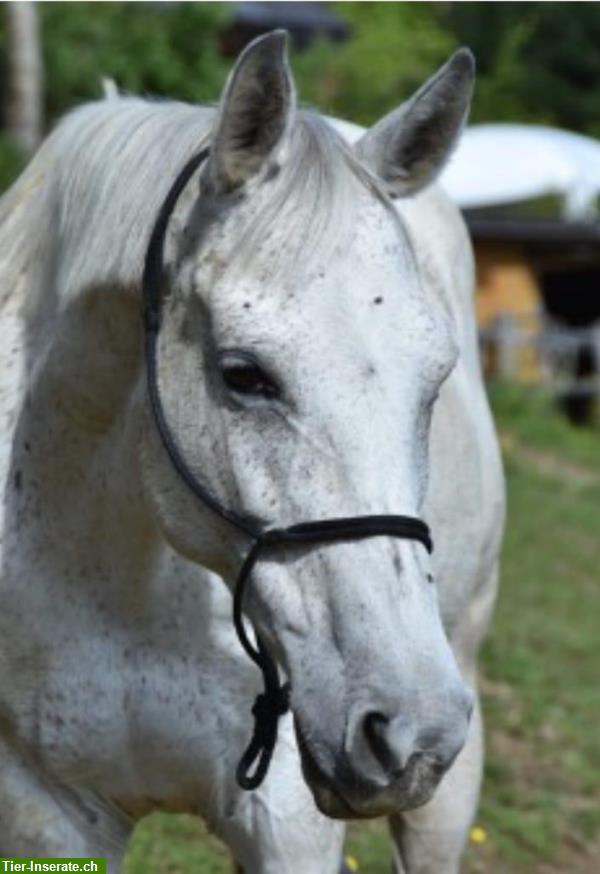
(254,114)
(408,148)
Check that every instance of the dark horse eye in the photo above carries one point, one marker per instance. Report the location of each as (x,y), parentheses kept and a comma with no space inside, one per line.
(244,376)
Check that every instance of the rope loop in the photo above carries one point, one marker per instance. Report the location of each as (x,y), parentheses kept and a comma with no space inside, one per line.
(268,707)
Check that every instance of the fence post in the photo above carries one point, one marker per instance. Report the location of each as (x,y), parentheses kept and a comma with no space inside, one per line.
(507,338)
(595,344)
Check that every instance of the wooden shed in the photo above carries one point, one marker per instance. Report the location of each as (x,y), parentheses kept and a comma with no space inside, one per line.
(518,261)
(538,303)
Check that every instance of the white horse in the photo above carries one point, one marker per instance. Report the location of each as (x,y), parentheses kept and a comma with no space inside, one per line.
(314,311)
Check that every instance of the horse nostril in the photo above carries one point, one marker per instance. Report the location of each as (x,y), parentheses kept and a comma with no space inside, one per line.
(391,753)
(374,726)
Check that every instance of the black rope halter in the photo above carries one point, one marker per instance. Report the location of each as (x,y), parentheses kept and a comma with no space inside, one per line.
(274,701)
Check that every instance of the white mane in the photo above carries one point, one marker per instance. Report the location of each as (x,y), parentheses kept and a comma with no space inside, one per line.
(94,186)
(92,191)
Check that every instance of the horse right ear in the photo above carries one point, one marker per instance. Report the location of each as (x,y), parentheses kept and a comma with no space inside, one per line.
(254,115)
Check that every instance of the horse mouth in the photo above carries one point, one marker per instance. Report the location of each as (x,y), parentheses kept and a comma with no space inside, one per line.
(332,803)
(326,796)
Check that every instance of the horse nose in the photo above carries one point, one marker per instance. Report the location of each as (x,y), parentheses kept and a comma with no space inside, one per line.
(381,748)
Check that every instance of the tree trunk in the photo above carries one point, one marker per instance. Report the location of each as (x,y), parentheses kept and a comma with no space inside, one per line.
(24,80)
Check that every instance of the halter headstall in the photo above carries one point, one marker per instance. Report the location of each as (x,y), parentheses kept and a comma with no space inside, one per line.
(274,701)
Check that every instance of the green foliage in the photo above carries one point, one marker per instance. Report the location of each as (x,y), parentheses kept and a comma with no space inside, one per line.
(538,62)
(11,162)
(393,48)
(151,49)
(147,48)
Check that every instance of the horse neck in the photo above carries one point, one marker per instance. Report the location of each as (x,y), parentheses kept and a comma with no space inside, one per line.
(75,448)
(75,444)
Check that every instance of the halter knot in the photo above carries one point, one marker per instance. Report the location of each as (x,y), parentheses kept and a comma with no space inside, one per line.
(271,702)
(267,708)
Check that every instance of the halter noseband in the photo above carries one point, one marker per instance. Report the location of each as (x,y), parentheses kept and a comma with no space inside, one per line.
(274,701)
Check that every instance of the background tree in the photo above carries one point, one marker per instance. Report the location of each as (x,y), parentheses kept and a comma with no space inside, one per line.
(24,79)
(392,49)
(160,49)
(537,62)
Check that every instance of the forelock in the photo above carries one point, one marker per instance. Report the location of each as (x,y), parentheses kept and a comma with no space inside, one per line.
(309,204)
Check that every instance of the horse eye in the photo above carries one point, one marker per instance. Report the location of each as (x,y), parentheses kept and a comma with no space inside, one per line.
(247,378)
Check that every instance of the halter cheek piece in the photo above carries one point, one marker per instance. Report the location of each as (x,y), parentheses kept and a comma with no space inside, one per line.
(274,701)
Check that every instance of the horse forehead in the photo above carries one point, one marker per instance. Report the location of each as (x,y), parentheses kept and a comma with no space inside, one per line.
(372,252)
(362,287)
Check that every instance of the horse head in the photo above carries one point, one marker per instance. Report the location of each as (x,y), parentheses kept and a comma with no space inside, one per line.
(300,354)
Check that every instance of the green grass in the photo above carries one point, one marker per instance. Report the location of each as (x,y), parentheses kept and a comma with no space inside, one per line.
(172,844)
(542,697)
(540,805)
(532,417)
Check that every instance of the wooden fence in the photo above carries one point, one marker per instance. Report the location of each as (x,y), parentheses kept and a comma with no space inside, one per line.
(539,351)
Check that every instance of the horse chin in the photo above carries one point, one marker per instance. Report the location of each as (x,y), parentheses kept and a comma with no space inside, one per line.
(332,804)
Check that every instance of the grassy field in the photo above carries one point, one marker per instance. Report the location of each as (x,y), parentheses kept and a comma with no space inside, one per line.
(540,809)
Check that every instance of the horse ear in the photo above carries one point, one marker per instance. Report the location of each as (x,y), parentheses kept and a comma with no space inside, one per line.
(409,147)
(254,114)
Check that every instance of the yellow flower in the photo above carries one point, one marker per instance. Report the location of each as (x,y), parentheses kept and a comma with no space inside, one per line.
(478,835)
(351,863)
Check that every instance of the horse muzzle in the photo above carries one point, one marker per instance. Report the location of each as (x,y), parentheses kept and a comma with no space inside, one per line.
(384,767)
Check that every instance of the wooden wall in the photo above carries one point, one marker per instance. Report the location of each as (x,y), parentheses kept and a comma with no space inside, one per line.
(506,283)
(508,300)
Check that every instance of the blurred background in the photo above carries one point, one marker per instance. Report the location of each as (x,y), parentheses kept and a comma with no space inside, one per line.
(527,176)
